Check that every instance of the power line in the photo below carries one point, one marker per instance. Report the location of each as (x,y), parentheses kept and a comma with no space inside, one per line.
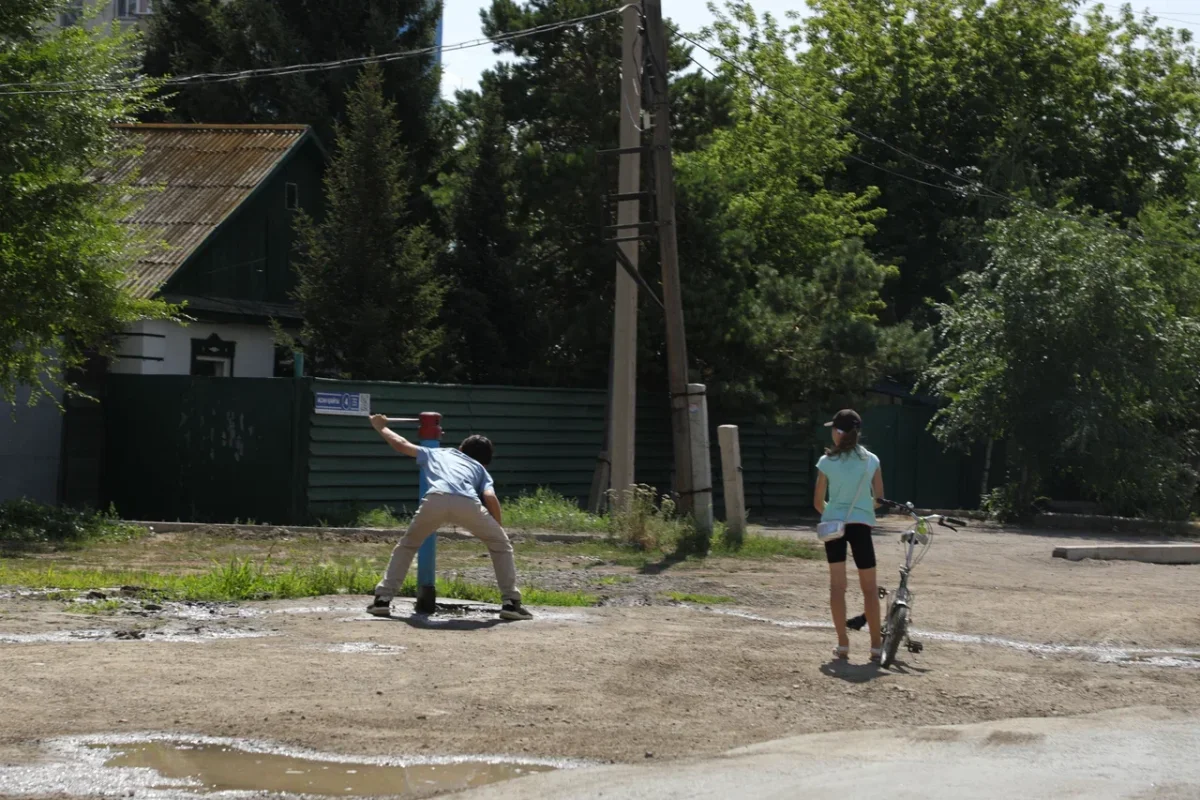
(76,87)
(968,187)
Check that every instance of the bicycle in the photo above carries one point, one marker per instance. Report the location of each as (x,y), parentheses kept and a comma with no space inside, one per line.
(899,608)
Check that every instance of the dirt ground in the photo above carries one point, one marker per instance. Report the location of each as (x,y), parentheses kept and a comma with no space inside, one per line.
(1008,632)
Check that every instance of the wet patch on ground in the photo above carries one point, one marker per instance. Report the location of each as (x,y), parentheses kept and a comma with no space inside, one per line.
(1172,658)
(163,767)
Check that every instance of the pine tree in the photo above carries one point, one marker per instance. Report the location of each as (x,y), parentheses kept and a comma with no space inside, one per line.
(488,315)
(368,288)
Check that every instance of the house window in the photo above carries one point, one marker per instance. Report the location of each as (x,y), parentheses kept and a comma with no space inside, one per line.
(125,9)
(212,357)
(70,14)
(292,197)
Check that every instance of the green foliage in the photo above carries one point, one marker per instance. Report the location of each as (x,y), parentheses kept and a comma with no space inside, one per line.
(1068,345)
(700,599)
(1020,96)
(644,520)
(247,580)
(789,297)
(383,517)
(488,313)
(99,608)
(547,510)
(751,546)
(63,251)
(368,288)
(25,525)
(186,37)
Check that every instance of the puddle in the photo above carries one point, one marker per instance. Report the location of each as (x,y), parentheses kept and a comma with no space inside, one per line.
(220,768)
(164,767)
(1174,658)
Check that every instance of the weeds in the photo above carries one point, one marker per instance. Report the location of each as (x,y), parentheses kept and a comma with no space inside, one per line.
(752,547)
(547,510)
(383,517)
(700,599)
(248,580)
(26,525)
(99,608)
(613,580)
(643,520)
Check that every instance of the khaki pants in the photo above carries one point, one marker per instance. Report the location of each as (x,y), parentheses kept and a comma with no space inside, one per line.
(468,513)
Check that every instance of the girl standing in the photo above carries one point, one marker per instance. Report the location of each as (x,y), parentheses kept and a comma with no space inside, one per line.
(848,483)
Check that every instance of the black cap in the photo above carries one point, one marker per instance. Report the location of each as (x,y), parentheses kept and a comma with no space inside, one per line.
(845,420)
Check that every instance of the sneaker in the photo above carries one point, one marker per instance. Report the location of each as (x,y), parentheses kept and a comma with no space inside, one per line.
(382,607)
(514,611)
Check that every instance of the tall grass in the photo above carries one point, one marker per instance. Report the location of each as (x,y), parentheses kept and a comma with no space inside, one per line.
(248,580)
(547,510)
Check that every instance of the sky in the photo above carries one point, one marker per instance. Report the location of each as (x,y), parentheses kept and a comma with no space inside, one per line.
(461,69)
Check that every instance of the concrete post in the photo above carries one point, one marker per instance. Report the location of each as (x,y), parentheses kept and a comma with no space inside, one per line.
(430,435)
(702,505)
(731,474)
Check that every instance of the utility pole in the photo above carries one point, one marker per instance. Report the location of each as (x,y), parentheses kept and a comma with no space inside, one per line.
(664,179)
(623,383)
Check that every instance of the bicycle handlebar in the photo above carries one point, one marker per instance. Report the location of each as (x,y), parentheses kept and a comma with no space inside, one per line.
(948,522)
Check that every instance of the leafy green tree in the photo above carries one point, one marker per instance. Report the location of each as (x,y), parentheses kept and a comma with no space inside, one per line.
(1069,346)
(1013,96)
(63,250)
(785,297)
(368,288)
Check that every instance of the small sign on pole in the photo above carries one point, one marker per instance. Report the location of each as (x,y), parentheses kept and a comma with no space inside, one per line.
(346,404)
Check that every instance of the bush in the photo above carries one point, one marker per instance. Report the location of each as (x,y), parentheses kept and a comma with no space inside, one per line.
(26,524)
(647,521)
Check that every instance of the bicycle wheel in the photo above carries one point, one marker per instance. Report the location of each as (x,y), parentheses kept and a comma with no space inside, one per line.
(896,630)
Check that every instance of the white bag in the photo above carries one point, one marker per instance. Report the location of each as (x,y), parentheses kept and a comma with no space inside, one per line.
(835,529)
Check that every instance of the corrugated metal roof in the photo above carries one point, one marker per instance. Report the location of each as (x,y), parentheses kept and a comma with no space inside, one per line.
(198,175)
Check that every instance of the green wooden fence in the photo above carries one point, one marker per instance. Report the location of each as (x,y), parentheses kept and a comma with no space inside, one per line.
(218,449)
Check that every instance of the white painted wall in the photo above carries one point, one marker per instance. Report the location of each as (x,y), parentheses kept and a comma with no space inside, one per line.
(165,348)
(30,449)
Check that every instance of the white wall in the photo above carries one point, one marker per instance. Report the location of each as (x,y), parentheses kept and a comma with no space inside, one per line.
(30,449)
(160,347)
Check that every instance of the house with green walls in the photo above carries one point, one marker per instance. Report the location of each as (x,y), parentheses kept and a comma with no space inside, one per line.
(219,214)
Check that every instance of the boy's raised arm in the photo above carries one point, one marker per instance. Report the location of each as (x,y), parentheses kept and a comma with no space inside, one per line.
(398,442)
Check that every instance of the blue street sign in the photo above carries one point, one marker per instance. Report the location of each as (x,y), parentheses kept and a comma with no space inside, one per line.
(351,404)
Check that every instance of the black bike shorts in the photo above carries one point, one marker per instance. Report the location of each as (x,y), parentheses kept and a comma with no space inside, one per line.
(858,537)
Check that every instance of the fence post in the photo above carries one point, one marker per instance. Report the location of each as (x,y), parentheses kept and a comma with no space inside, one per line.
(430,434)
(731,474)
(702,488)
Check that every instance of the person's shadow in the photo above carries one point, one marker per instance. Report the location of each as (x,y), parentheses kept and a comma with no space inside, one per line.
(433,622)
(851,673)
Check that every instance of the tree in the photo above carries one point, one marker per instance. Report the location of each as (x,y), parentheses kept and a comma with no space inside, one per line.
(559,99)
(788,296)
(368,289)
(1014,96)
(63,250)
(491,327)
(188,37)
(1069,346)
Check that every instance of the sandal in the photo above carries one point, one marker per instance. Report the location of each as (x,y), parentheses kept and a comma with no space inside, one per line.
(841,652)
(876,654)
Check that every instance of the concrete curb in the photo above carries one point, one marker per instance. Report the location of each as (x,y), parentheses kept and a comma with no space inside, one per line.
(383,534)
(1148,553)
